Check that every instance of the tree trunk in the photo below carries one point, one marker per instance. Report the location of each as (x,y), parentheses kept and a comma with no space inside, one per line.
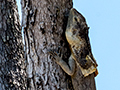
(12,65)
(44,23)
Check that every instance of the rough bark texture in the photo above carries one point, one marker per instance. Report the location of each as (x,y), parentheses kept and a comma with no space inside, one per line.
(44,23)
(12,66)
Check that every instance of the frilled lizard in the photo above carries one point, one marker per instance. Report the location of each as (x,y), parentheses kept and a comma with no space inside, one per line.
(81,59)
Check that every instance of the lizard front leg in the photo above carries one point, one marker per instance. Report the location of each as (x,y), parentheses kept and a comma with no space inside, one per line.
(68,68)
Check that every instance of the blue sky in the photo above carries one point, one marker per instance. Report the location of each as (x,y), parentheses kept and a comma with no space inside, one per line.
(103,18)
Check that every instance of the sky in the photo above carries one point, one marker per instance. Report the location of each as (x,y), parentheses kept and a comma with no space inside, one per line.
(103,18)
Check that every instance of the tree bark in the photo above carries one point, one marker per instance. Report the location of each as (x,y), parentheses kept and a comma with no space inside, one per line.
(44,23)
(12,63)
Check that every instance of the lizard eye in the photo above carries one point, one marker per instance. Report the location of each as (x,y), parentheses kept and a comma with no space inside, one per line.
(75,19)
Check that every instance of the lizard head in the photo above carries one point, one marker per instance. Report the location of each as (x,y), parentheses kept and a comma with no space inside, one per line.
(77,24)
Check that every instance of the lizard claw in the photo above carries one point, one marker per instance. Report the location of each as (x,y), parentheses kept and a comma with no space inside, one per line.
(57,56)
(51,52)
